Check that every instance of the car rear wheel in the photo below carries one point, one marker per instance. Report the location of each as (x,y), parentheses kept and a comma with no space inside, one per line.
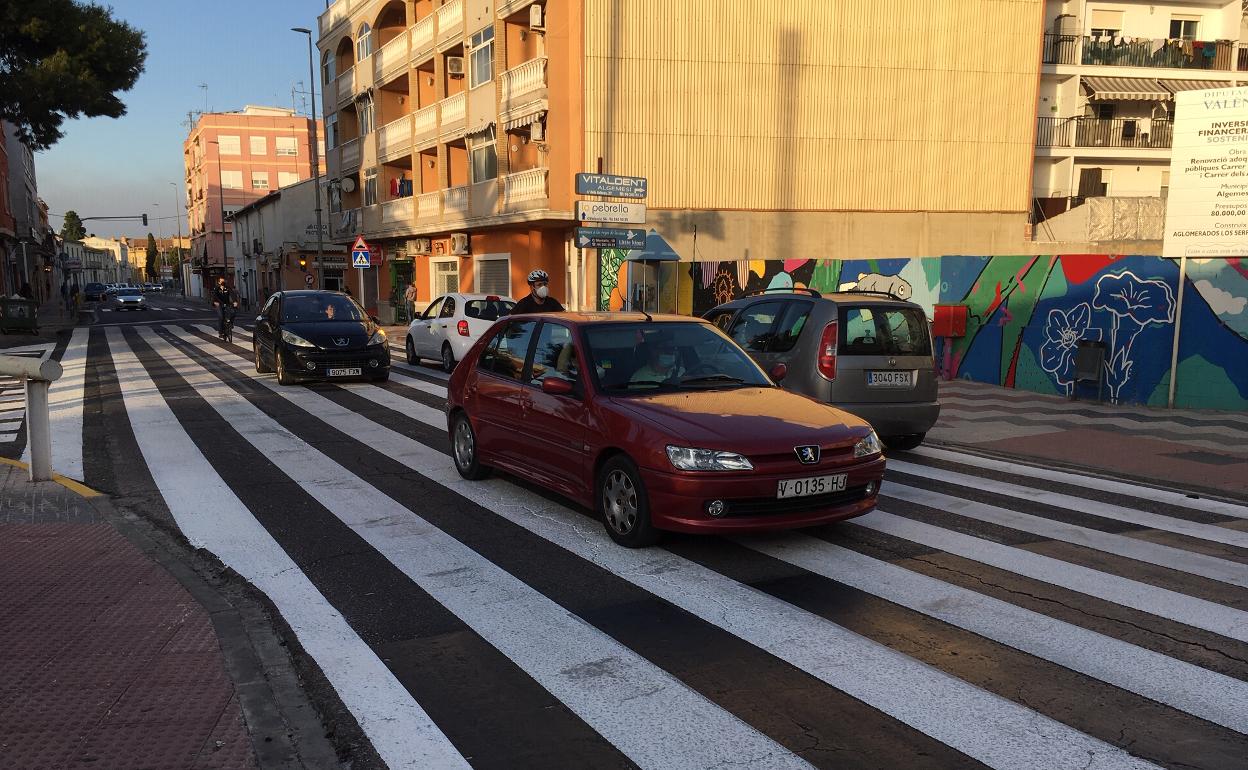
(260,367)
(411,351)
(448,358)
(624,505)
(283,377)
(464,450)
(902,443)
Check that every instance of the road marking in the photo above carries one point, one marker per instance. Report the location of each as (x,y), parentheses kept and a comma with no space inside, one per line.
(8,437)
(632,707)
(1208,532)
(981,410)
(65,408)
(212,517)
(989,728)
(1142,492)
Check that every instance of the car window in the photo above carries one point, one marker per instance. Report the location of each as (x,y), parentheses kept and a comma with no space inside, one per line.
(506,353)
(488,309)
(792,321)
(432,310)
(267,310)
(722,319)
(753,327)
(448,308)
(884,331)
(861,336)
(329,306)
(554,356)
(644,357)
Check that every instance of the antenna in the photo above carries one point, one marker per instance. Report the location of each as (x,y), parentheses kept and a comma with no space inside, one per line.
(204,87)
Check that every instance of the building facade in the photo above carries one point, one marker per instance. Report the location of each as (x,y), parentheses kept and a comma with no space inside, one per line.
(30,247)
(272,236)
(118,250)
(231,159)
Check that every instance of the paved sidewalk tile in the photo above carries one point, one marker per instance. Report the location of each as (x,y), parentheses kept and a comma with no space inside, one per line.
(108,661)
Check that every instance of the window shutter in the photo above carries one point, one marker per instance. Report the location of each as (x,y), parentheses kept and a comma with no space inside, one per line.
(495,277)
(1107,19)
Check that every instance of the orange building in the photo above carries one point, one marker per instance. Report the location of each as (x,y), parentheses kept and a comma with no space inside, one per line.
(232,159)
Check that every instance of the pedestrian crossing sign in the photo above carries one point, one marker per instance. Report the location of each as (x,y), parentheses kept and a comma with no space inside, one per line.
(361,253)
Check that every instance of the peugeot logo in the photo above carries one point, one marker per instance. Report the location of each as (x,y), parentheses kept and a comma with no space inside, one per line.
(807,455)
(342,342)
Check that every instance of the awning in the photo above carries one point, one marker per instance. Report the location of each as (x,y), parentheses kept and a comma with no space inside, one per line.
(1144,89)
(1174,86)
(657,250)
(479,130)
(524,119)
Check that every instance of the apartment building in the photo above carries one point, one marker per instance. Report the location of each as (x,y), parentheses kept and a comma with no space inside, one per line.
(118,257)
(1110,70)
(272,235)
(231,159)
(766,131)
(29,246)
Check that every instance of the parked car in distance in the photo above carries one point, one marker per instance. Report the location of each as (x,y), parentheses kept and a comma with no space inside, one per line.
(657,423)
(94,292)
(451,324)
(318,335)
(129,298)
(110,289)
(151,287)
(866,352)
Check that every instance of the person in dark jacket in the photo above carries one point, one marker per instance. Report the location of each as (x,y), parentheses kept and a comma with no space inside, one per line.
(538,299)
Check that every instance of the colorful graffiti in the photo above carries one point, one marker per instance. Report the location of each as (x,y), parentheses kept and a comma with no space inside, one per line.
(1029,314)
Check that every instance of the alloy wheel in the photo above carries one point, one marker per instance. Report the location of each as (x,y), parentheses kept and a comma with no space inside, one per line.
(465,445)
(619,501)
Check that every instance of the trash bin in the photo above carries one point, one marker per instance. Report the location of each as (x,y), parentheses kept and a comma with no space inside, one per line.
(19,315)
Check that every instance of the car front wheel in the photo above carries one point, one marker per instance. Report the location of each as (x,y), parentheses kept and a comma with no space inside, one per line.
(260,367)
(448,358)
(902,443)
(464,450)
(623,504)
(411,351)
(283,377)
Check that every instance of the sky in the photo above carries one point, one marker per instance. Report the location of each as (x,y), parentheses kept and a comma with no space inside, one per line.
(243,50)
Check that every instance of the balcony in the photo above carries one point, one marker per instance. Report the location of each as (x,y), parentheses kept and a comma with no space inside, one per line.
(1121,133)
(452,114)
(450,21)
(455,202)
(335,15)
(525,190)
(391,58)
(396,212)
(522,87)
(425,124)
(422,37)
(1139,52)
(349,155)
(345,224)
(344,86)
(395,138)
(429,206)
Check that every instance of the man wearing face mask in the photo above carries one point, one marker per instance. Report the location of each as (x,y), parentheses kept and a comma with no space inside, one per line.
(661,363)
(539,299)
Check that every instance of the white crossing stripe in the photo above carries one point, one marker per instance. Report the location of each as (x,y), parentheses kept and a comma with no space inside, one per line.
(212,517)
(65,408)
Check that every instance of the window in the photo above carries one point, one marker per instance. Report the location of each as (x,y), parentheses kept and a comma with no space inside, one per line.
(722,320)
(493,275)
(884,332)
(260,180)
(432,311)
(229,145)
(1103,111)
(232,180)
(287,145)
(320,148)
(448,308)
(329,67)
(555,355)
(1183,27)
(286,178)
(484,157)
(481,57)
(505,354)
(488,309)
(364,42)
(445,276)
(752,330)
(792,321)
(1103,23)
(1165,184)
(331,131)
(365,115)
(370,187)
(259,145)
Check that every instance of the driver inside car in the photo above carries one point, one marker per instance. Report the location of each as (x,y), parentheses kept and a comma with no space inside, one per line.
(662,363)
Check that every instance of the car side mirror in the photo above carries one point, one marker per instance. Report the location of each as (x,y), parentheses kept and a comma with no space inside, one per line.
(556,387)
(779,372)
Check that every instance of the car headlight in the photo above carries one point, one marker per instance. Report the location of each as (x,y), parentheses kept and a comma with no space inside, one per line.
(290,338)
(687,459)
(868,446)
(378,338)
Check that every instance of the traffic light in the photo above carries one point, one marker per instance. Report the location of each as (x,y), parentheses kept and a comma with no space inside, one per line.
(303,263)
(145,220)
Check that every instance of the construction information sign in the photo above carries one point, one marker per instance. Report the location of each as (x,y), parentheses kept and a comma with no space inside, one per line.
(1207,208)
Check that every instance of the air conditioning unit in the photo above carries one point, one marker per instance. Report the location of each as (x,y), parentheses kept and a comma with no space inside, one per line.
(537,18)
(537,131)
(455,66)
(459,243)
(420,246)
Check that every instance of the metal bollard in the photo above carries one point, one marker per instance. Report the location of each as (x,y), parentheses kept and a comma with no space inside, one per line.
(38,376)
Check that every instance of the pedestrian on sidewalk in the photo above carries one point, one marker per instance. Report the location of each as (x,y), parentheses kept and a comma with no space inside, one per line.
(65,293)
(73,297)
(410,296)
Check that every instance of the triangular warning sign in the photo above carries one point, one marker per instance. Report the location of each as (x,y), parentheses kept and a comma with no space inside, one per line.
(361,244)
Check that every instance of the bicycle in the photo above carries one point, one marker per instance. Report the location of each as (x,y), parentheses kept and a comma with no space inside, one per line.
(227,324)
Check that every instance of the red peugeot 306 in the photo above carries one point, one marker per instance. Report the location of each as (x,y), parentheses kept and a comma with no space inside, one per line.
(657,423)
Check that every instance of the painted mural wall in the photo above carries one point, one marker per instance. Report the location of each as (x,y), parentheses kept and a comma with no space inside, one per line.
(1028,315)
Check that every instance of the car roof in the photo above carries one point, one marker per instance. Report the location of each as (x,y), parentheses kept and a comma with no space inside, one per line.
(310,292)
(595,318)
(471,297)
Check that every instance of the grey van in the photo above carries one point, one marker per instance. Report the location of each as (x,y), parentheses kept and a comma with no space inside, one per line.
(868,353)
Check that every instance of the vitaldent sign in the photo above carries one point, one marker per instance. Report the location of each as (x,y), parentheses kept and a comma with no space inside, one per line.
(1207,208)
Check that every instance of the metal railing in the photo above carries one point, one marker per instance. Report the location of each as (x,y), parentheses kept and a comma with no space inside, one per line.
(1142,133)
(37,374)
(1139,52)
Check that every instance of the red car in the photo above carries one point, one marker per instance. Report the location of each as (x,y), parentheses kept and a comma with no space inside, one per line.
(657,423)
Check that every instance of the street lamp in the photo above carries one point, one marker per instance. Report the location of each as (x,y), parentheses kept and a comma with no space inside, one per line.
(225,260)
(177,209)
(316,162)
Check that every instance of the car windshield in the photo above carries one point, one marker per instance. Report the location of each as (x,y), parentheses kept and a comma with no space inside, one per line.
(645,357)
(320,307)
(128,293)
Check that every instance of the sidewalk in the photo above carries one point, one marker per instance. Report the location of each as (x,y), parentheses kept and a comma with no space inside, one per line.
(109,662)
(1197,450)
(53,321)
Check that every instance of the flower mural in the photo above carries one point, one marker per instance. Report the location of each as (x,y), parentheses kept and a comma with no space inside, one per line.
(1133,303)
(1062,334)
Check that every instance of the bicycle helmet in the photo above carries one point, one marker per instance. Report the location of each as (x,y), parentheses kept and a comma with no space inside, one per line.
(538,275)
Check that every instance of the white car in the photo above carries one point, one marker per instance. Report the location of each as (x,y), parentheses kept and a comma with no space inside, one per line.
(451,324)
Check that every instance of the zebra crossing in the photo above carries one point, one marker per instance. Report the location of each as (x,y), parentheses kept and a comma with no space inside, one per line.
(988,614)
(13,393)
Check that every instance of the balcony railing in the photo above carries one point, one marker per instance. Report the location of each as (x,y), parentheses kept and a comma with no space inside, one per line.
(395,137)
(1139,52)
(524,187)
(425,123)
(345,85)
(390,58)
(334,15)
(1137,133)
(396,212)
(422,36)
(519,82)
(455,201)
(450,20)
(429,205)
(350,154)
(453,112)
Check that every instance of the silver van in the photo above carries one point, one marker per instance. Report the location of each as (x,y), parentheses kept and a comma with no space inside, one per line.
(868,353)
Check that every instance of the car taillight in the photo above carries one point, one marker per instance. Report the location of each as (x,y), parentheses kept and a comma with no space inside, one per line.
(827,351)
(462,328)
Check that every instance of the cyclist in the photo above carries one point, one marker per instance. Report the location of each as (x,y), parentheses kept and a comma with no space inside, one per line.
(225,300)
(538,299)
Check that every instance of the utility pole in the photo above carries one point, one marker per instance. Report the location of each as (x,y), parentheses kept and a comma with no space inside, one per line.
(177,209)
(314,152)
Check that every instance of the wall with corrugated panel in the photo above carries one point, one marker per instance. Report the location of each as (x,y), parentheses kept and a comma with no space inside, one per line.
(881,105)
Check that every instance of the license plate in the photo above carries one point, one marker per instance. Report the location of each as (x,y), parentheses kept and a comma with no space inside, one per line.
(815,485)
(890,379)
(355,372)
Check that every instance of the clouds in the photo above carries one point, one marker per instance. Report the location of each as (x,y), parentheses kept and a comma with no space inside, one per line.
(1221,301)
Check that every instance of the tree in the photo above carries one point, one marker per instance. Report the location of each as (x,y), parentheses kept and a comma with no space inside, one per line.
(63,59)
(72,229)
(152,255)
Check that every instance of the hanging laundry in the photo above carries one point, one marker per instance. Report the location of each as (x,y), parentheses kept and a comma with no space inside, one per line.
(1211,50)
(394,188)
(1156,45)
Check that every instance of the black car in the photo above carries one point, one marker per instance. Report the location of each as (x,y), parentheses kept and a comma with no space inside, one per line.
(319,335)
(94,292)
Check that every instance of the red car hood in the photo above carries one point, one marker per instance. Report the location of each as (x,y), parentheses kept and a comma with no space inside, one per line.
(745,420)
